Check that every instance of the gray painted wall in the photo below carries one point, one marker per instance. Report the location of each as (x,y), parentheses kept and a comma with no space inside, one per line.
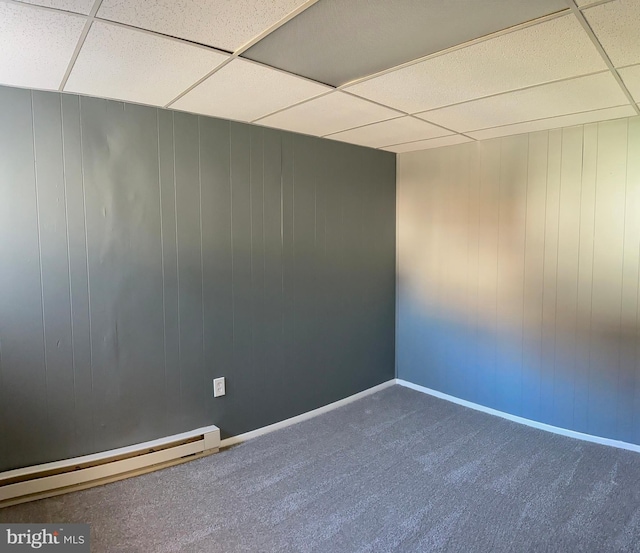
(144,252)
(519,275)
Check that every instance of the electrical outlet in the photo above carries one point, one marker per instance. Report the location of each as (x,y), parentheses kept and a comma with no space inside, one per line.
(219,387)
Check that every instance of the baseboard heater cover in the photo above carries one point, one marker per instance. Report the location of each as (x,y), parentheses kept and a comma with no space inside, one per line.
(40,481)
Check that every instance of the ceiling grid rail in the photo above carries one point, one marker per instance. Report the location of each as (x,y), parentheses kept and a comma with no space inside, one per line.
(587,28)
(83,37)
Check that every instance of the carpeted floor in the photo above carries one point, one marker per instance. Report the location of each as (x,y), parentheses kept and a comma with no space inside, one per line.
(396,471)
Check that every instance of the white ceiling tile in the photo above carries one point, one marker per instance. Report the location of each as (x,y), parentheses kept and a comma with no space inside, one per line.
(223,24)
(550,100)
(552,50)
(631,78)
(125,64)
(617,26)
(77,6)
(328,114)
(556,122)
(245,91)
(393,131)
(36,46)
(428,144)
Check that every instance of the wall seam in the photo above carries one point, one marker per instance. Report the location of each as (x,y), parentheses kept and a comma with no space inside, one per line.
(71,310)
(39,232)
(164,291)
(593,247)
(86,245)
(175,192)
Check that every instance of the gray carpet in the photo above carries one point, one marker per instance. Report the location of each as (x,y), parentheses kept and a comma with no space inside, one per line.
(396,471)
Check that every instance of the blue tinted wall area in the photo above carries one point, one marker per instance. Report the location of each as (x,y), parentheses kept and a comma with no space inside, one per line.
(519,275)
(144,252)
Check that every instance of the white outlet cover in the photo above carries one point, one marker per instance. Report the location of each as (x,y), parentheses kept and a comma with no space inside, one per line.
(219,388)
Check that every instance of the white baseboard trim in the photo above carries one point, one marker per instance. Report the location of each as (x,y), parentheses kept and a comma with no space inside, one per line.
(521,420)
(233,440)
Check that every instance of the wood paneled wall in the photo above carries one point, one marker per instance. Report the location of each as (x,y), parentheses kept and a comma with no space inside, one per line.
(518,275)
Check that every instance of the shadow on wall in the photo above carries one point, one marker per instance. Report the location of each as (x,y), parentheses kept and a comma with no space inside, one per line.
(519,279)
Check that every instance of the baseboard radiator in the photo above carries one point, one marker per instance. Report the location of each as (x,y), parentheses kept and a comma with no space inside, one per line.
(40,481)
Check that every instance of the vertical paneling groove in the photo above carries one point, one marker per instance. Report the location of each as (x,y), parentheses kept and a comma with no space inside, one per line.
(175,204)
(524,281)
(488,262)
(39,234)
(629,299)
(513,175)
(463,185)
(189,266)
(593,253)
(585,274)
(633,320)
(557,316)
(472,255)
(496,391)
(444,201)
(242,274)
(550,273)
(251,281)
(164,279)
(471,232)
(577,321)
(205,377)
(273,328)
(74,365)
(288,267)
(79,270)
(567,270)
(533,273)
(170,276)
(86,256)
(258,320)
(233,272)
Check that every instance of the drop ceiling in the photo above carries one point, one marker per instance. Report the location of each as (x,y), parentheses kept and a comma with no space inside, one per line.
(401,76)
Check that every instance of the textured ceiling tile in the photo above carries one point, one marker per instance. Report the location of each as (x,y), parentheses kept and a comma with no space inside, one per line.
(556,122)
(124,64)
(223,24)
(550,100)
(329,114)
(631,78)
(617,26)
(337,41)
(394,131)
(36,46)
(245,91)
(428,144)
(546,52)
(77,6)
